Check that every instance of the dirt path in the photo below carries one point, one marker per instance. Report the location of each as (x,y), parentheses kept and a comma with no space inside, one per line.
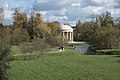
(35,53)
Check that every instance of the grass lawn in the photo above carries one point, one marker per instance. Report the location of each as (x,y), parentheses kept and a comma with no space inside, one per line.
(67,65)
(16,50)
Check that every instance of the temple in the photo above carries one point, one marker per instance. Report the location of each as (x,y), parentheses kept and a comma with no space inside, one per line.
(66,32)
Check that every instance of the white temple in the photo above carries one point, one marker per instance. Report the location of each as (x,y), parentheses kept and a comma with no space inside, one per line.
(66,32)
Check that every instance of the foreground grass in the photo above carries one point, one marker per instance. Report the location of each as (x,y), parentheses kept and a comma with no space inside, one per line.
(67,65)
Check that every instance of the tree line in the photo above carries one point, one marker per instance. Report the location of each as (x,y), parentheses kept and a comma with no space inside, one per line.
(26,28)
(102,33)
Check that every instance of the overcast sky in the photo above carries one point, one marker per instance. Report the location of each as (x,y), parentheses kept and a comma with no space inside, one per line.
(64,11)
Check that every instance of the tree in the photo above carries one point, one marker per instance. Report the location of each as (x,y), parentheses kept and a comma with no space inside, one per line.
(36,27)
(1,25)
(102,33)
(19,18)
(53,38)
(78,23)
(19,35)
(98,22)
(107,20)
(4,60)
(53,27)
(77,32)
(6,34)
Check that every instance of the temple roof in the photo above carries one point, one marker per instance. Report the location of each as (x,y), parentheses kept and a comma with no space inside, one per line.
(66,28)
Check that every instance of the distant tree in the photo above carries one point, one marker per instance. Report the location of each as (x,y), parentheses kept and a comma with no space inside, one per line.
(78,23)
(77,33)
(117,23)
(102,33)
(53,38)
(98,22)
(107,20)
(53,27)
(87,31)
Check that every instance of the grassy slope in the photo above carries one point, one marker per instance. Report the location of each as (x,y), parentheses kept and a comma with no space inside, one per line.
(68,65)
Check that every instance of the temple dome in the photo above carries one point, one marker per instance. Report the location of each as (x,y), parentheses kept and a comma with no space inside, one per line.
(66,28)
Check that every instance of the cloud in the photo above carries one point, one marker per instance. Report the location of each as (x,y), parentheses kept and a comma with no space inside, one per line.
(57,15)
(75,4)
(8,14)
(53,4)
(67,10)
(97,2)
(77,9)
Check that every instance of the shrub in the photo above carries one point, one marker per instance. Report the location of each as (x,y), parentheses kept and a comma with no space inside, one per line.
(38,48)
(4,60)
(109,52)
(19,35)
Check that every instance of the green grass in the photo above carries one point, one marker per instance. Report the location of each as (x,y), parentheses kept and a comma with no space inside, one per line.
(16,50)
(68,65)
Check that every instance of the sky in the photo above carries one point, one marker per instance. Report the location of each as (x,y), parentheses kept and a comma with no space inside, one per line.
(64,11)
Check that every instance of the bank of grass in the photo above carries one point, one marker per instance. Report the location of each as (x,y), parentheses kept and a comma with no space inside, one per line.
(109,51)
(67,65)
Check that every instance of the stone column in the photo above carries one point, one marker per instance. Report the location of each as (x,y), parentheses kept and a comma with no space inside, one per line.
(70,37)
(63,35)
(67,35)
